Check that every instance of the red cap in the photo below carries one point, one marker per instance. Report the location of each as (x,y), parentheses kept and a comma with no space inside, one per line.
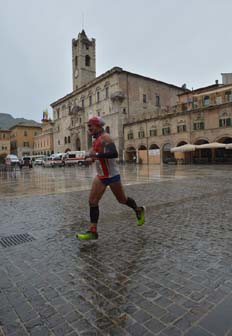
(96,121)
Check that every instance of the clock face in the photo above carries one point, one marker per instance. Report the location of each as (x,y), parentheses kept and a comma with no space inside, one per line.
(76,73)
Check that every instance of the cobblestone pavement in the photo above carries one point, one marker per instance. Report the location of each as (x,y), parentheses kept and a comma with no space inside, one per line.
(173,276)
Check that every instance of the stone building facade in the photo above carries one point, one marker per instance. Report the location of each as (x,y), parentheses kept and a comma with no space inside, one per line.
(116,95)
(201,116)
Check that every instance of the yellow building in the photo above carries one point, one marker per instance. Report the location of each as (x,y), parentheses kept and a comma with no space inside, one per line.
(43,142)
(4,144)
(22,138)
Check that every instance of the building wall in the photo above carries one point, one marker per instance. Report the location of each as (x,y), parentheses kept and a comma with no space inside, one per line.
(4,143)
(22,139)
(206,109)
(43,143)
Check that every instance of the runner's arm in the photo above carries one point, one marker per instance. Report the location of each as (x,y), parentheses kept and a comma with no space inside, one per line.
(109,149)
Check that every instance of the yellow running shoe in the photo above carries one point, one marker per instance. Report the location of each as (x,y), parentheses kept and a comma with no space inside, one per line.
(88,235)
(140,216)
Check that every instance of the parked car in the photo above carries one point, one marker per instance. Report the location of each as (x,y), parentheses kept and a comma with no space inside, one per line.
(12,160)
(38,162)
(26,162)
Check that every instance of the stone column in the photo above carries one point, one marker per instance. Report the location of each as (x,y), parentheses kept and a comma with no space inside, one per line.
(117,99)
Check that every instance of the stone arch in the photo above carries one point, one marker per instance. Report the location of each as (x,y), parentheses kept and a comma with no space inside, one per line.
(167,155)
(154,154)
(226,139)
(203,155)
(201,141)
(142,147)
(154,146)
(130,154)
(181,143)
(78,144)
(142,154)
(223,155)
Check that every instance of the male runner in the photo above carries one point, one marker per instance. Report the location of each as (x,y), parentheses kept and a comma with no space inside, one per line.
(104,153)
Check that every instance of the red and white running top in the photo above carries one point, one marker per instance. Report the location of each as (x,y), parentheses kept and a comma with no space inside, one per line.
(105,167)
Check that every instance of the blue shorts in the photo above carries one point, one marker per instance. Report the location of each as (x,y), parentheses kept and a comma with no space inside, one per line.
(109,180)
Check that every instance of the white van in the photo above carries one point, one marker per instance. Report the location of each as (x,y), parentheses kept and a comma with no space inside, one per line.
(12,160)
(75,157)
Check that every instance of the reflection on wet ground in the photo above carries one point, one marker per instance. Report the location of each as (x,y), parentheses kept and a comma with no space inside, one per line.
(171,276)
(40,181)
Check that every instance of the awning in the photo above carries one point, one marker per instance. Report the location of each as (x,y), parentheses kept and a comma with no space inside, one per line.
(211,145)
(184,148)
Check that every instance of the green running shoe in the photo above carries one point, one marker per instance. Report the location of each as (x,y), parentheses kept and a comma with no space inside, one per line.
(88,235)
(141,216)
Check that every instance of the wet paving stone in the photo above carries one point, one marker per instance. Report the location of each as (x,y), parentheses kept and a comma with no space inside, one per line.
(170,277)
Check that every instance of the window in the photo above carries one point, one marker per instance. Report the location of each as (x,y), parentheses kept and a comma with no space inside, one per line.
(65,140)
(58,142)
(107,92)
(228,96)
(90,100)
(184,107)
(26,144)
(224,122)
(195,103)
(35,133)
(69,139)
(25,133)
(157,100)
(206,100)
(141,133)
(108,129)
(199,125)
(130,135)
(58,113)
(98,96)
(166,130)
(87,60)
(153,131)
(181,128)
(3,135)
(218,100)
(144,98)
(82,103)
(76,61)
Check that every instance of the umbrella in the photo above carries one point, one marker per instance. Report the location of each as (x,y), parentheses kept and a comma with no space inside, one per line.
(211,145)
(184,148)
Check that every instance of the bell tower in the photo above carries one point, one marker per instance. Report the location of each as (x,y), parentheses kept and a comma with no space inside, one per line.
(83,60)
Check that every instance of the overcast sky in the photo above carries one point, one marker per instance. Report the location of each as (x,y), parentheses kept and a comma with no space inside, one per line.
(175,41)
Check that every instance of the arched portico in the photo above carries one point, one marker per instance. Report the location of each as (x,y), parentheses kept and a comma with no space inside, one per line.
(143,154)
(154,154)
(130,154)
(167,155)
(78,144)
(203,155)
(223,155)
